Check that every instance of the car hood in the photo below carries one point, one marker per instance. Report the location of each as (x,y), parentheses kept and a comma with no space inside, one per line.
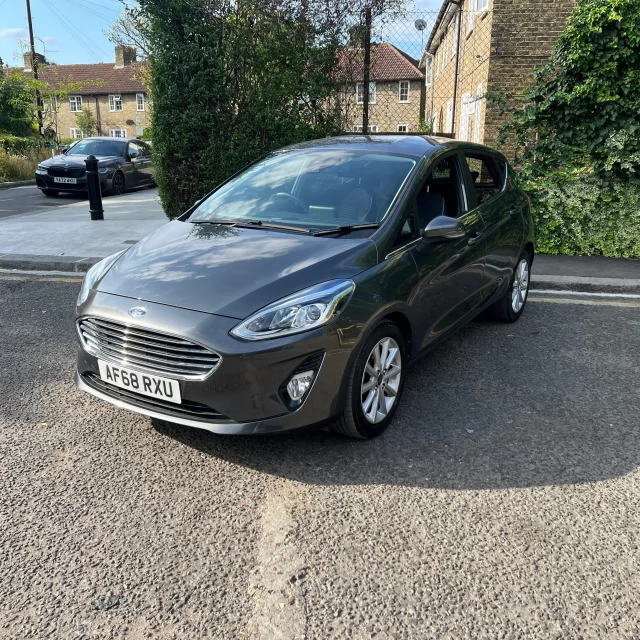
(231,271)
(76,161)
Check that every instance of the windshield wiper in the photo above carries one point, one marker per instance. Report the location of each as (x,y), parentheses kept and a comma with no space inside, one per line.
(346,229)
(248,224)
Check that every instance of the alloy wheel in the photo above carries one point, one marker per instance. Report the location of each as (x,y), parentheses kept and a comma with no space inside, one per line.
(118,184)
(520,286)
(381,380)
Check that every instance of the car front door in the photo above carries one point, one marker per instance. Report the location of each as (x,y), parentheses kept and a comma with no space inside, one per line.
(451,273)
(501,210)
(137,160)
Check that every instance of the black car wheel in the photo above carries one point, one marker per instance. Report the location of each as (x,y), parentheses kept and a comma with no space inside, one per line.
(375,384)
(50,192)
(510,307)
(118,186)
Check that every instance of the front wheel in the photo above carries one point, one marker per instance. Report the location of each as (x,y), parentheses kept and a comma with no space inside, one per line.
(118,186)
(510,307)
(375,384)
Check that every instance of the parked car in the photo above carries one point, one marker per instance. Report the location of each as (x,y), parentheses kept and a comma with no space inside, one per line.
(123,163)
(297,292)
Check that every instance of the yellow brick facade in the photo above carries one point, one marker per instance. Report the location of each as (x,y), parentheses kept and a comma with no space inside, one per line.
(130,119)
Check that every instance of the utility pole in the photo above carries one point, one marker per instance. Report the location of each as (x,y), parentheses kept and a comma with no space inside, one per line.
(34,66)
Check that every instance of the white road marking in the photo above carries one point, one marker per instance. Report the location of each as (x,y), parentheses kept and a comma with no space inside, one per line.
(585,294)
(596,303)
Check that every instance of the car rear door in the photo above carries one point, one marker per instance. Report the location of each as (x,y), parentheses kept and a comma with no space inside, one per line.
(501,210)
(451,274)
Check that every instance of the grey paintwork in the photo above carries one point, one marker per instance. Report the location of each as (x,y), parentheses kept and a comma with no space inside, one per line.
(137,172)
(198,281)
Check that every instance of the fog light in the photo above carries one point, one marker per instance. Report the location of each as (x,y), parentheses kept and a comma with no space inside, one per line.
(299,384)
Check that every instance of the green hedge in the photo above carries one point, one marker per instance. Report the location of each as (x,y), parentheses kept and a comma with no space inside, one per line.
(580,212)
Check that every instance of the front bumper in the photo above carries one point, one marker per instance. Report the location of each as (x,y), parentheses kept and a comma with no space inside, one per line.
(245,391)
(45,181)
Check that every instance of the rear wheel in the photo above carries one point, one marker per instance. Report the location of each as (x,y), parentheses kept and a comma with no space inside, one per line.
(375,384)
(510,307)
(50,192)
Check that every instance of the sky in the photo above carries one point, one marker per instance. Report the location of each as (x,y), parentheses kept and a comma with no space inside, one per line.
(74,31)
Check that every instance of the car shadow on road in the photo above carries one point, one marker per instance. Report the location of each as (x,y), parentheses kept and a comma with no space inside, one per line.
(494,407)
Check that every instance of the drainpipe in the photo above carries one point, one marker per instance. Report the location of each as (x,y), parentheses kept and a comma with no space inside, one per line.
(98,115)
(455,79)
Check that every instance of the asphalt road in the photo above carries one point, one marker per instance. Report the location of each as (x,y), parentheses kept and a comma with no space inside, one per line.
(30,199)
(504,501)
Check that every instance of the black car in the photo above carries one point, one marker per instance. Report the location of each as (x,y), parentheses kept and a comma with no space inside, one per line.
(123,163)
(297,293)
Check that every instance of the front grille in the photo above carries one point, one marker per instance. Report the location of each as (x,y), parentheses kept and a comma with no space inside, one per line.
(150,350)
(65,172)
(187,409)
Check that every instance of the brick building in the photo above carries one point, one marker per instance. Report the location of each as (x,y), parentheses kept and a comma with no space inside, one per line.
(481,45)
(114,93)
(396,89)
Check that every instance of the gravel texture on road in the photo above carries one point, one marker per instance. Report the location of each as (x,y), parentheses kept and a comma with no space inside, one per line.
(503,502)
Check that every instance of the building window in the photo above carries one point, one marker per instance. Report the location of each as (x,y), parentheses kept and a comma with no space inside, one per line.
(428,72)
(482,5)
(139,131)
(115,102)
(76,133)
(372,128)
(118,133)
(403,91)
(54,103)
(360,93)
(403,128)
(75,103)
(140,101)
(449,123)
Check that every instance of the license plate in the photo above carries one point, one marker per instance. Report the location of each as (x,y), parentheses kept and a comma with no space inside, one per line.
(65,180)
(139,382)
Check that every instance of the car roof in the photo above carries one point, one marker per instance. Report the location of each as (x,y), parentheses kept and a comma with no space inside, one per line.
(112,138)
(411,145)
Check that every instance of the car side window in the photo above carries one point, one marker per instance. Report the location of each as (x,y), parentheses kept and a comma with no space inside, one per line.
(146,149)
(487,182)
(135,149)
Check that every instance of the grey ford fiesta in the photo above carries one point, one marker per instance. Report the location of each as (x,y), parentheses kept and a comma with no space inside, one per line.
(297,293)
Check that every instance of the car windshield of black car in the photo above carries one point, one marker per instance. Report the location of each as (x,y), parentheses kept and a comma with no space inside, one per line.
(98,148)
(315,189)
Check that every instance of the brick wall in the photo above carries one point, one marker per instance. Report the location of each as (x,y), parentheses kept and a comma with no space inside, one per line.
(129,118)
(523,37)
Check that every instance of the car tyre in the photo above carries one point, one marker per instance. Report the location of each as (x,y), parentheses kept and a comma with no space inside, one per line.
(52,193)
(510,307)
(355,421)
(118,185)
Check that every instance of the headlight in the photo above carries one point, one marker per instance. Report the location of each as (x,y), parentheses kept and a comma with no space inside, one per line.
(94,274)
(41,169)
(104,169)
(300,312)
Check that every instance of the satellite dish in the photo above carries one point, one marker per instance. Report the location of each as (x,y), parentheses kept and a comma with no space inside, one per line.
(420,24)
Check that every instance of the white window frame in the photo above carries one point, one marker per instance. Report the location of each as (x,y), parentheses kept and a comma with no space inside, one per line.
(76,133)
(456,35)
(428,72)
(478,114)
(139,101)
(408,99)
(372,128)
(482,6)
(372,92)
(75,104)
(54,103)
(405,130)
(139,130)
(449,121)
(471,16)
(112,133)
(115,99)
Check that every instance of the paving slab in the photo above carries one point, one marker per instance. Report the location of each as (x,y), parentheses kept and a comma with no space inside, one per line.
(68,231)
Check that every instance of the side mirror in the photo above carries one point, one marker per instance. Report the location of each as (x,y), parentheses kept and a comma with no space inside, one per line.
(444,229)
(133,155)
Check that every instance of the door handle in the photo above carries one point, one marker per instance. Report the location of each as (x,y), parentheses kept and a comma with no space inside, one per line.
(475,237)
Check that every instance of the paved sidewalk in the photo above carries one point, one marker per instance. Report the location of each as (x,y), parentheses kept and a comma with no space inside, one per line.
(65,238)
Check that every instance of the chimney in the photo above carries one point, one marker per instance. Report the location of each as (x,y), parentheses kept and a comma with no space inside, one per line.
(28,63)
(124,55)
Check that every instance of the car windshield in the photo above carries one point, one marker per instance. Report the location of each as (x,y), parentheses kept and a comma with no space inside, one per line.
(313,189)
(98,148)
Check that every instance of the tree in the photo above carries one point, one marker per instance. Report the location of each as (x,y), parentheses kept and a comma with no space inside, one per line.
(129,29)
(87,122)
(16,105)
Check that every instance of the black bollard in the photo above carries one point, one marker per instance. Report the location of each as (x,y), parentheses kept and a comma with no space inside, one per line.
(93,187)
